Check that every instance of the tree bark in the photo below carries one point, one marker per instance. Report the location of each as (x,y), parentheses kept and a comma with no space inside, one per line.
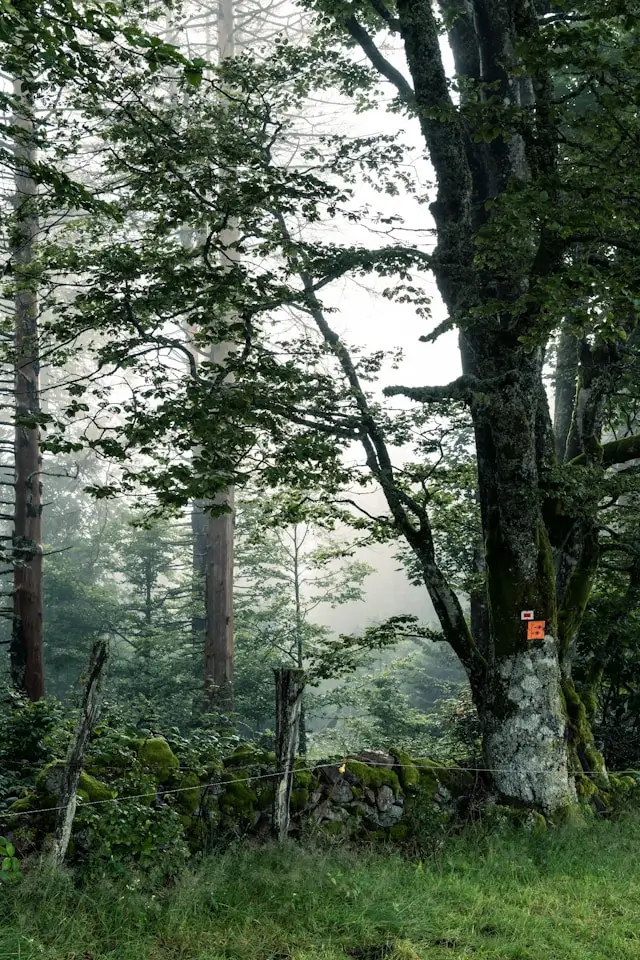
(565,389)
(218,653)
(27,666)
(199,568)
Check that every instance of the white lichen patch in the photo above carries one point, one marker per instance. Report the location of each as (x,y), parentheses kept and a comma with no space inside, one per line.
(525,734)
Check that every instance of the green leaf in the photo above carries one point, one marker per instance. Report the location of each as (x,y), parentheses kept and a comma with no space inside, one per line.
(193,75)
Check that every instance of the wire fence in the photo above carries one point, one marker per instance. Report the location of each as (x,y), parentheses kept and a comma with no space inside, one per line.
(451,768)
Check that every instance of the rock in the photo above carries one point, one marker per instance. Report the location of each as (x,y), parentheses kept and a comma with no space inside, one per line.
(325,811)
(391,816)
(407,771)
(315,798)
(341,793)
(238,800)
(94,789)
(156,755)
(321,812)
(369,795)
(188,799)
(442,795)
(385,798)
(376,758)
(329,774)
(248,754)
(49,780)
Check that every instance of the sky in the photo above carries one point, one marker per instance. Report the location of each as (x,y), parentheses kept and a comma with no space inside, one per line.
(363,317)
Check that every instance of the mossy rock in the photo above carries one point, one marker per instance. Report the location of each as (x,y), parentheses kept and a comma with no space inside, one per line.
(304,778)
(399,832)
(24,804)
(157,756)
(374,777)
(623,791)
(49,780)
(458,781)
(408,772)
(265,796)
(94,788)
(299,800)
(188,799)
(571,815)
(238,800)
(428,780)
(623,784)
(248,753)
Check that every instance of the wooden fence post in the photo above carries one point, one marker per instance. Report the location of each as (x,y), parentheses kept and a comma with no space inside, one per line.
(75,756)
(289,687)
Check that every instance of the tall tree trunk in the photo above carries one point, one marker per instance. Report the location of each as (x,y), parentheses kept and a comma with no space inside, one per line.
(302,726)
(219,637)
(520,700)
(218,649)
(565,389)
(199,540)
(27,667)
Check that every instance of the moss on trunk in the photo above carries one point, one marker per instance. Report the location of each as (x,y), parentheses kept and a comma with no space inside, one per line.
(586,762)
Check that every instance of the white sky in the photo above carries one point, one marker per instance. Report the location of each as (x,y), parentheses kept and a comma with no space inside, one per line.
(365,318)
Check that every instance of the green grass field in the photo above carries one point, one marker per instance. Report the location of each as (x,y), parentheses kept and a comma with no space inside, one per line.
(566,895)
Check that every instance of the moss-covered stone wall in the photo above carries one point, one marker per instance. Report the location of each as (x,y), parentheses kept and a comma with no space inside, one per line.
(150,795)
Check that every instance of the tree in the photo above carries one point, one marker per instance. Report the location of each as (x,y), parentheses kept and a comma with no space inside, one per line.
(503,181)
(287,567)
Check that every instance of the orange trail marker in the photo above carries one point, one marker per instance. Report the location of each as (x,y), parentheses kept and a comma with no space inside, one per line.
(535,629)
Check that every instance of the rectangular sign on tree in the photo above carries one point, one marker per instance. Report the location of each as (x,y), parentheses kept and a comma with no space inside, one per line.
(535,629)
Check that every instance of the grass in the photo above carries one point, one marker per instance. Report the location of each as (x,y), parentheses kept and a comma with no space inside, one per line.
(566,895)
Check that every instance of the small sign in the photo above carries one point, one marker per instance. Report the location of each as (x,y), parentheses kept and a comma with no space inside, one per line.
(526,615)
(535,629)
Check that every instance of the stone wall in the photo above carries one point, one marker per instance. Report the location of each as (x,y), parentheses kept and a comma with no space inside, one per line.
(143,795)
(373,794)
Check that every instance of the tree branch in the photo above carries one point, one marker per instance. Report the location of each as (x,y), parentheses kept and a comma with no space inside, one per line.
(460,389)
(380,62)
(616,451)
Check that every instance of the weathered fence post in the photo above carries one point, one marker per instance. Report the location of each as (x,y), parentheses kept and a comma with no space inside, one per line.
(289,687)
(75,756)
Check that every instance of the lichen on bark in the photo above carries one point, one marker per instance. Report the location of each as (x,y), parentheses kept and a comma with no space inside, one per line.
(524,729)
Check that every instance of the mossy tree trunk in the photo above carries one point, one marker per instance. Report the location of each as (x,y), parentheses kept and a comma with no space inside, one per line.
(494,265)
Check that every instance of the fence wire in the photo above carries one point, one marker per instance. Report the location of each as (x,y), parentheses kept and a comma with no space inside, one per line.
(266,776)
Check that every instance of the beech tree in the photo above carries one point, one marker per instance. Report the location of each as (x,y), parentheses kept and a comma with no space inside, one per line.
(536,251)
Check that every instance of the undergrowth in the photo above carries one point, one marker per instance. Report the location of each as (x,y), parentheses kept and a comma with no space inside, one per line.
(568,894)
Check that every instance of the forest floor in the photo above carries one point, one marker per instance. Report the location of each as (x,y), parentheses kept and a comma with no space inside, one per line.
(566,895)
